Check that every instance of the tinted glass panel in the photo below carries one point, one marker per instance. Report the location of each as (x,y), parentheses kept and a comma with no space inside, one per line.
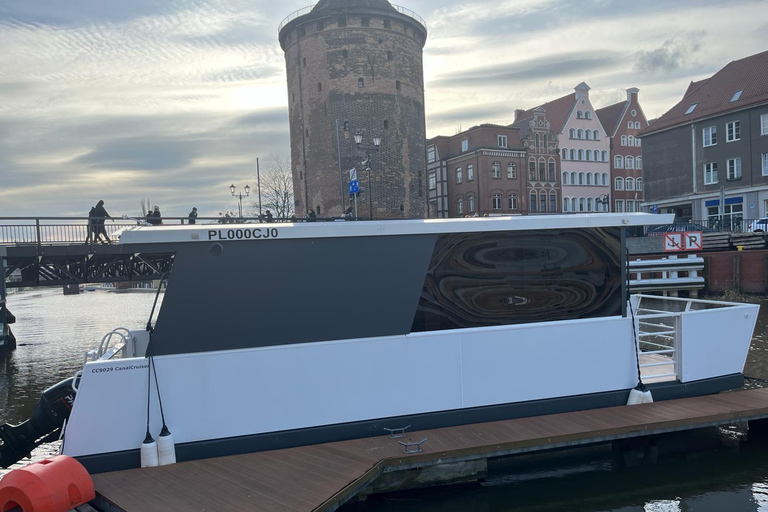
(484,279)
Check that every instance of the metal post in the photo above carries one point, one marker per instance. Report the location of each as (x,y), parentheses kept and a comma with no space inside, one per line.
(341,173)
(370,191)
(258,185)
(37,231)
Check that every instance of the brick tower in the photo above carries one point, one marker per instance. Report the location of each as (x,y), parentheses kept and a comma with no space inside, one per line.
(355,67)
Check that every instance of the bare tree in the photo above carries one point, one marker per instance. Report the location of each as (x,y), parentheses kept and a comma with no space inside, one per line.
(146,206)
(276,187)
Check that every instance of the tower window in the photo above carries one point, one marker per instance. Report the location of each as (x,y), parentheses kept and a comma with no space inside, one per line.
(344,54)
(386,124)
(361,82)
(319,87)
(302,31)
(346,126)
(304,61)
(306,131)
(397,85)
(365,21)
(389,55)
(342,21)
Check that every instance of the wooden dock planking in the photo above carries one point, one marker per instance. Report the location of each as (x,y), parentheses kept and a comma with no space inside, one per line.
(322,477)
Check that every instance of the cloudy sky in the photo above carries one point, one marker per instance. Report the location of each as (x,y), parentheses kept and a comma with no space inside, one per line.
(173,100)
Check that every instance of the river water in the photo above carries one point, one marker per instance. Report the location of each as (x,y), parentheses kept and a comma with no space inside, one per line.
(722,470)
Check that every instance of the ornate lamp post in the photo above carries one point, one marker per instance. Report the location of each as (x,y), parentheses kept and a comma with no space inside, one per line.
(605,201)
(240,197)
(367,164)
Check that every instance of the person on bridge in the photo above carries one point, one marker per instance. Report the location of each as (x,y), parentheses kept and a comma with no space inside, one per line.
(91,230)
(99,216)
(154,217)
(193,215)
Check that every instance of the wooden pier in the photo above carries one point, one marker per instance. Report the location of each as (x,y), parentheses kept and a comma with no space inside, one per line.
(324,477)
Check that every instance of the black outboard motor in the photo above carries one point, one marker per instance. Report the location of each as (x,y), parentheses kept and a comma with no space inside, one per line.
(18,441)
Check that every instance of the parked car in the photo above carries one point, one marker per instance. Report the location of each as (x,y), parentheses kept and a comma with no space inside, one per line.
(677,227)
(759,225)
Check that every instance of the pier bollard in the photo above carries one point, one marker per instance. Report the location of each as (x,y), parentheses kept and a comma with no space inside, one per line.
(57,484)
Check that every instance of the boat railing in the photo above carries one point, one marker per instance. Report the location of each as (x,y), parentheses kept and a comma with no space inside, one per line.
(125,346)
(659,322)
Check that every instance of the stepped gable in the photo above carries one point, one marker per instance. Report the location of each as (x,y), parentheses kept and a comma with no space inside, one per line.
(557,113)
(713,95)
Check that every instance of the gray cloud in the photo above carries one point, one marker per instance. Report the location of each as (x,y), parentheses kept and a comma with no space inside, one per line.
(555,66)
(470,116)
(673,55)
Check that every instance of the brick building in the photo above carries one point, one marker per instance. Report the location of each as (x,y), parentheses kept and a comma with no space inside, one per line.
(355,66)
(583,147)
(485,171)
(623,121)
(715,138)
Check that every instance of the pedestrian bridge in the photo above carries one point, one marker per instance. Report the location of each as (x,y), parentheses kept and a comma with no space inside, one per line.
(56,251)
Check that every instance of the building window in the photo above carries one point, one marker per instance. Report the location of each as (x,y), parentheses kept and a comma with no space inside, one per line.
(344,54)
(542,170)
(691,109)
(458,175)
(580,134)
(589,154)
(464,145)
(582,204)
(366,22)
(765,164)
(432,180)
(574,204)
(734,168)
(386,124)
(502,140)
(631,124)
(532,206)
(629,162)
(511,170)
(630,206)
(634,112)
(573,155)
(389,55)
(710,173)
(342,21)
(538,141)
(587,115)
(581,154)
(470,172)
(630,141)
(579,114)
(574,180)
(637,141)
(397,85)
(732,131)
(319,87)
(565,154)
(497,201)
(619,205)
(513,202)
(572,133)
(551,170)
(361,82)
(552,202)
(709,136)
(639,184)
(532,170)
(605,156)
(581,178)
(566,181)
(637,125)
(605,179)
(496,170)
(618,183)
(459,206)
(639,162)
(623,140)
(431,154)
(737,95)
(618,162)
(589,178)
(565,204)
(630,184)
(545,141)
(596,135)
(764,124)
(543,202)
(471,203)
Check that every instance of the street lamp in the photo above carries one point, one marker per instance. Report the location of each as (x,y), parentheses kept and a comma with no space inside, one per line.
(240,196)
(367,165)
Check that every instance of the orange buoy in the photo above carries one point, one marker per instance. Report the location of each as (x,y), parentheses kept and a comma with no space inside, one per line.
(57,484)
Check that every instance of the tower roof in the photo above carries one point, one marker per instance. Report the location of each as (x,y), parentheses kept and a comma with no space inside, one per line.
(382,5)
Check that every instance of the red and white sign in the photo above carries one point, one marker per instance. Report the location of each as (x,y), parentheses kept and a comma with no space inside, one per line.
(693,240)
(673,242)
(687,241)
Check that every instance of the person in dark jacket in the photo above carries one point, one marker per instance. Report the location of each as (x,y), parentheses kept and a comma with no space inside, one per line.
(99,216)
(154,217)
(91,230)
(268,217)
(312,216)
(193,215)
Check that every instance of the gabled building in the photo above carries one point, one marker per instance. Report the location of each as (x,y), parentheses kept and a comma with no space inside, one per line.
(622,121)
(482,171)
(583,149)
(715,138)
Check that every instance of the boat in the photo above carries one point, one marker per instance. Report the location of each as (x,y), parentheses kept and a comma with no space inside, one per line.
(301,333)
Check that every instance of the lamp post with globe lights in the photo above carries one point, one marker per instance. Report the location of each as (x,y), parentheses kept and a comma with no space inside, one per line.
(240,197)
(367,164)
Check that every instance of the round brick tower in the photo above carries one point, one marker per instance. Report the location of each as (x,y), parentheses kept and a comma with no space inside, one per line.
(355,67)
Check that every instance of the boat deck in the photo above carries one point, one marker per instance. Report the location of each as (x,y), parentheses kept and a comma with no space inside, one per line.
(323,477)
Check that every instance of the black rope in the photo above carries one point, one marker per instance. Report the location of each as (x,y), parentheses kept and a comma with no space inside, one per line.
(151,361)
(635,339)
(157,386)
(163,279)
(756,379)
(149,393)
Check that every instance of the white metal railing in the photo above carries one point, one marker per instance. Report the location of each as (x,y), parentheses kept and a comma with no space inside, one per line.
(306,10)
(658,321)
(676,274)
(125,346)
